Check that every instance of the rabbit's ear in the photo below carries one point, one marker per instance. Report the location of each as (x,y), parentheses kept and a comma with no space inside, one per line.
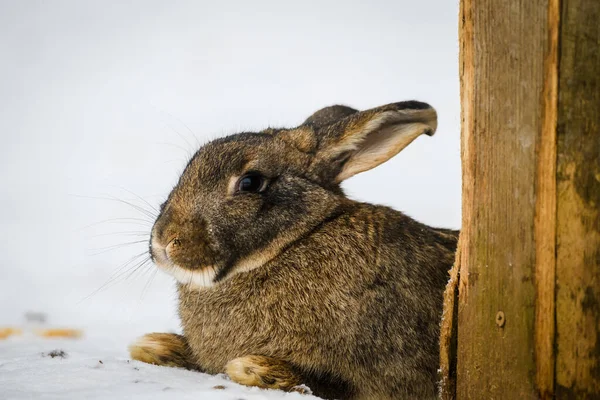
(363,140)
(304,137)
(329,115)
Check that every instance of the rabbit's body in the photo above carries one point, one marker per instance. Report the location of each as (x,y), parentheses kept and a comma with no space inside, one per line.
(347,302)
(284,281)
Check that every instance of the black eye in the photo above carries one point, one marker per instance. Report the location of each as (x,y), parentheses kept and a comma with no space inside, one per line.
(252,183)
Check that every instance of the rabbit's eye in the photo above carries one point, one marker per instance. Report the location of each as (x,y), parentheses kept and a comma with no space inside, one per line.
(252,183)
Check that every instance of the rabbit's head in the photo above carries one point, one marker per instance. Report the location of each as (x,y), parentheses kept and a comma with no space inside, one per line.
(244,198)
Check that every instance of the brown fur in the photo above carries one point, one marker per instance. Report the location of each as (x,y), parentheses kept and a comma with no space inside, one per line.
(166,349)
(307,285)
(264,372)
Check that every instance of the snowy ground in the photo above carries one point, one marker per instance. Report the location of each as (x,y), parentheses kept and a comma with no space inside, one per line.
(98,367)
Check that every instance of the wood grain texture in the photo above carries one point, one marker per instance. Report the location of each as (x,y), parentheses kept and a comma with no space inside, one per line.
(504,47)
(448,333)
(545,215)
(578,201)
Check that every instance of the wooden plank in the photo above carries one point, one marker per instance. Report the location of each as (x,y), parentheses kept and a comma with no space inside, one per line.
(448,333)
(578,201)
(526,323)
(504,48)
(545,215)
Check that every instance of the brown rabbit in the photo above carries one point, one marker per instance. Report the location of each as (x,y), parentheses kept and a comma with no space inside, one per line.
(284,281)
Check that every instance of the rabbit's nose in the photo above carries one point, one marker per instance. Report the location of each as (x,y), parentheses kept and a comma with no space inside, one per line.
(158,253)
(173,246)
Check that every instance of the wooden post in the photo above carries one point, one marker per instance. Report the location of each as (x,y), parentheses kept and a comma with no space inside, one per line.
(522,308)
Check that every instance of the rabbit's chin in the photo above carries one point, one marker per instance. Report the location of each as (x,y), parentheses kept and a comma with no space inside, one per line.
(196,279)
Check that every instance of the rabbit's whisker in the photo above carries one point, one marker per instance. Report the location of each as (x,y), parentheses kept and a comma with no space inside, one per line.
(130,221)
(136,207)
(186,127)
(119,272)
(142,199)
(123,233)
(103,250)
(149,282)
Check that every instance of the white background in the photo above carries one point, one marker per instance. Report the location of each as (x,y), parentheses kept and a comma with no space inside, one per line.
(96,98)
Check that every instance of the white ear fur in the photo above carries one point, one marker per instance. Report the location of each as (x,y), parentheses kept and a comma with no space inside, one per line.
(384,136)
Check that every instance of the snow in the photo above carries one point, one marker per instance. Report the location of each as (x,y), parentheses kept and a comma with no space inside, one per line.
(98,367)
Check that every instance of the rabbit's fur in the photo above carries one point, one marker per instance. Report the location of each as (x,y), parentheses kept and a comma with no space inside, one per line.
(297,284)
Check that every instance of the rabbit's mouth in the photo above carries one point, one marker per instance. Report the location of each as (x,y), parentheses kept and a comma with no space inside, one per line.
(195,279)
(198,277)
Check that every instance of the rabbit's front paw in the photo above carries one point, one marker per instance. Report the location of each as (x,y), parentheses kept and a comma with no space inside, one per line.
(166,349)
(264,372)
